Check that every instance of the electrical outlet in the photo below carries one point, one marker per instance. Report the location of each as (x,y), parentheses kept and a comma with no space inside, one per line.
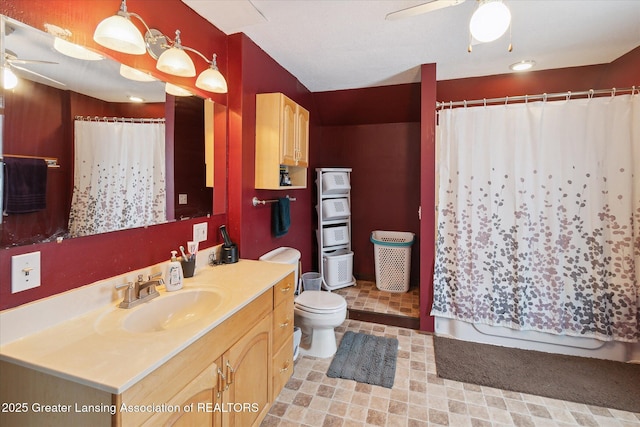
(182,199)
(25,272)
(200,232)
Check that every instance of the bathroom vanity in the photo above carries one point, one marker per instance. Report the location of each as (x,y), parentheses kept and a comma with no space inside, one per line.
(220,362)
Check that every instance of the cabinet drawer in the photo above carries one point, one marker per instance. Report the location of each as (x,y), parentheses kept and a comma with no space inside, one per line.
(282,366)
(282,323)
(283,290)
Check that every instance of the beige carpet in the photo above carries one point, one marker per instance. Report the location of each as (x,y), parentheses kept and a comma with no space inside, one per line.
(578,379)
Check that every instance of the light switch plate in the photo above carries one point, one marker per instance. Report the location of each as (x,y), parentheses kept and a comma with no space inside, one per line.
(200,232)
(182,199)
(25,272)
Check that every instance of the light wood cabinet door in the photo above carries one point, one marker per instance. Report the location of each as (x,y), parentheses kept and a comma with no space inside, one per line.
(289,132)
(247,367)
(302,139)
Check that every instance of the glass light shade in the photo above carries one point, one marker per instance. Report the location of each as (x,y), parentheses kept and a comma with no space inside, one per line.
(490,21)
(118,33)
(212,80)
(75,51)
(522,65)
(176,62)
(135,75)
(174,90)
(9,79)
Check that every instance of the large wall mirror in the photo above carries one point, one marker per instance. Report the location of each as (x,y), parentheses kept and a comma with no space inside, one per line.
(44,117)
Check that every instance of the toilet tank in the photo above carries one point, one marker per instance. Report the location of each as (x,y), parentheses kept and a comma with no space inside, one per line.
(283,255)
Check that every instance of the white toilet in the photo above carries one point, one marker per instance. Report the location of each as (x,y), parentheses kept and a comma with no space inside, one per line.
(317,313)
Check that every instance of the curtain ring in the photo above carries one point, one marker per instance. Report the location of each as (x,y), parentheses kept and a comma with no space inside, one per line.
(633,90)
(544,97)
(451,105)
(591,92)
(526,99)
(506,100)
(485,102)
(613,92)
(568,97)
(465,103)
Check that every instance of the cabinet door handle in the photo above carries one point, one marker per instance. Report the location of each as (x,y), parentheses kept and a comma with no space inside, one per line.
(221,380)
(285,290)
(285,324)
(285,367)
(230,374)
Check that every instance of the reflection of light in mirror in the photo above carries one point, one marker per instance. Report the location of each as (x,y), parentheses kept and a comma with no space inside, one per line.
(135,75)
(9,80)
(75,51)
(174,90)
(135,99)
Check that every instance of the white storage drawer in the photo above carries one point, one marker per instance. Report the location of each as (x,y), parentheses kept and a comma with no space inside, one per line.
(332,236)
(338,268)
(335,183)
(335,208)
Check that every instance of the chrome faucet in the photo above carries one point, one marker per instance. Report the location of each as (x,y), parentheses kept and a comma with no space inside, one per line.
(140,291)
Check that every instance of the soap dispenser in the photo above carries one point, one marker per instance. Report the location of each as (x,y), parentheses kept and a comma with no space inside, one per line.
(174,274)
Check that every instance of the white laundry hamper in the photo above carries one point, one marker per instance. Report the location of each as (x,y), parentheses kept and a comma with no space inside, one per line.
(392,252)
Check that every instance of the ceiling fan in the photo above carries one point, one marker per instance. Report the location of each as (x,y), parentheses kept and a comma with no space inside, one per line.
(15,63)
(429,6)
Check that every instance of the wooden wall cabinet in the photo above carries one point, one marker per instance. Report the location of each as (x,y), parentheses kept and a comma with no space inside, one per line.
(282,142)
(227,377)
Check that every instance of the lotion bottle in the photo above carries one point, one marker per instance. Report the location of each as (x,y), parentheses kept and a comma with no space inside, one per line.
(174,274)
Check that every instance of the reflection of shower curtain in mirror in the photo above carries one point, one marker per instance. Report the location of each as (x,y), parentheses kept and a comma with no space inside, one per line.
(539,217)
(119,176)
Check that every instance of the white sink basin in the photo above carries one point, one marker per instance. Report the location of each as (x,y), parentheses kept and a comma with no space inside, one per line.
(172,311)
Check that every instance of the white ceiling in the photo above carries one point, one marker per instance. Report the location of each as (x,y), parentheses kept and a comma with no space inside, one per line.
(347,44)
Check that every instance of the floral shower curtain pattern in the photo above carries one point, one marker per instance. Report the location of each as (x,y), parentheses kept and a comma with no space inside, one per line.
(539,217)
(119,176)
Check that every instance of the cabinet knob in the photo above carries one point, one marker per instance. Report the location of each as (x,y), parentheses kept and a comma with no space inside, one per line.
(230,374)
(285,324)
(285,290)
(285,367)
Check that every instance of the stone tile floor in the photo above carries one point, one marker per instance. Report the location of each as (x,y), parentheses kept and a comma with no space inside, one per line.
(419,397)
(365,296)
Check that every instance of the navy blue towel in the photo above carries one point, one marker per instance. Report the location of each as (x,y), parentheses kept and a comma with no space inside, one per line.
(280,217)
(25,185)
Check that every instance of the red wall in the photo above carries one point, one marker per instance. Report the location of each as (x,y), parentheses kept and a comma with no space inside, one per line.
(252,71)
(80,261)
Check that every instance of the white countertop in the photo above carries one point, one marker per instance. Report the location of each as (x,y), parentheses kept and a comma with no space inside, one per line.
(93,349)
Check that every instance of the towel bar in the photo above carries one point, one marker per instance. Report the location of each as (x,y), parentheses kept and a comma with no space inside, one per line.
(255,201)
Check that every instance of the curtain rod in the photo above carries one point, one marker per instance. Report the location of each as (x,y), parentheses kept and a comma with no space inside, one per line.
(118,119)
(544,97)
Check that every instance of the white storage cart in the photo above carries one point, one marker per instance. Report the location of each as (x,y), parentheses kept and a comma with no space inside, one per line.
(392,252)
(335,258)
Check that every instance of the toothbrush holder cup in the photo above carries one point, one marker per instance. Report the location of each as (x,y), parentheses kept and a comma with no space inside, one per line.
(188,267)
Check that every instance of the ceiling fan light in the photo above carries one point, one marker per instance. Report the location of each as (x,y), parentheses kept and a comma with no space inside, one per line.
(212,80)
(9,79)
(490,21)
(118,33)
(75,51)
(174,90)
(175,61)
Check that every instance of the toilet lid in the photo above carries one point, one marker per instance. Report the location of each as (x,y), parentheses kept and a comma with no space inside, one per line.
(320,301)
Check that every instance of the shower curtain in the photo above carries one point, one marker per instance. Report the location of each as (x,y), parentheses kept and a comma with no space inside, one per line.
(119,176)
(539,217)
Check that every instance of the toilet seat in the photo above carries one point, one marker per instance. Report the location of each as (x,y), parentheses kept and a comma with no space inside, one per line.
(320,302)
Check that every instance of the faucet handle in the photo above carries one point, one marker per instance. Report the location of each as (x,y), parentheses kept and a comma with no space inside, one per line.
(140,278)
(153,276)
(124,285)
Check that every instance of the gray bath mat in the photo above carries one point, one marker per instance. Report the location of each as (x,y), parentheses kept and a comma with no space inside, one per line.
(366,359)
(577,379)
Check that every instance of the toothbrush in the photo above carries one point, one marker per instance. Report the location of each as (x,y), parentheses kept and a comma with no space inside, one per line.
(184,256)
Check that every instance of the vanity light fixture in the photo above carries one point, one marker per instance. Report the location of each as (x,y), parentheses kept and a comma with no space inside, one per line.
(212,79)
(135,74)
(522,65)
(118,33)
(75,51)
(175,60)
(174,90)
(490,20)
